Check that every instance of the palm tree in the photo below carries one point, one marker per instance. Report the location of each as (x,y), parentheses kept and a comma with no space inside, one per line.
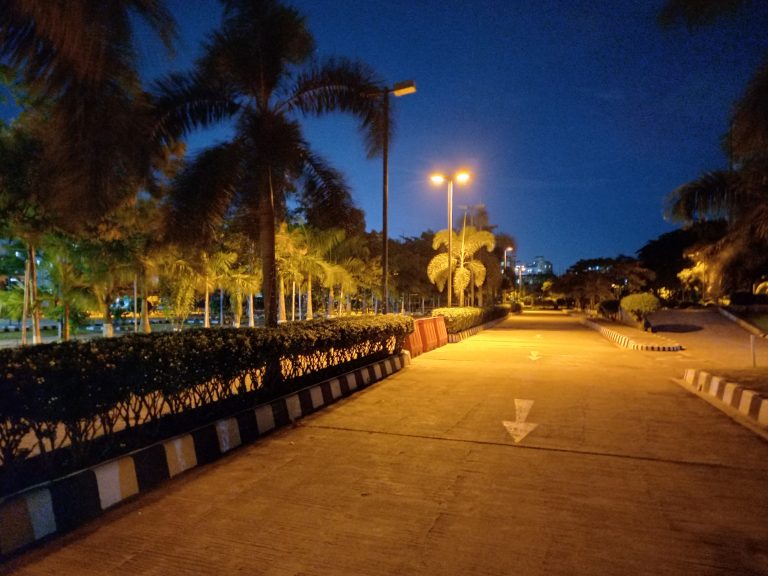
(77,60)
(256,71)
(739,194)
(25,214)
(465,270)
(314,263)
(71,291)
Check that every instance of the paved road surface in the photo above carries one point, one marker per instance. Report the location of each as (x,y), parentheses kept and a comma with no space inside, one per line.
(624,473)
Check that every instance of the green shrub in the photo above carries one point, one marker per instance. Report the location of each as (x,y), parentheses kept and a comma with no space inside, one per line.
(82,391)
(640,305)
(460,319)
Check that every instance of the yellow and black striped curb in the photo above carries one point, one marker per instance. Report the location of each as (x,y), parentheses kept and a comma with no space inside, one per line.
(68,502)
(627,342)
(747,402)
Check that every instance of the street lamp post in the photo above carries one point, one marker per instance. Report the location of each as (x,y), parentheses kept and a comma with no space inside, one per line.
(507,249)
(461,177)
(398,89)
(506,269)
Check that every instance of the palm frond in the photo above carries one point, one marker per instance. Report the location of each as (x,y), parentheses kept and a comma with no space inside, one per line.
(437,270)
(347,86)
(202,193)
(184,102)
(711,196)
(58,44)
(325,199)
(749,126)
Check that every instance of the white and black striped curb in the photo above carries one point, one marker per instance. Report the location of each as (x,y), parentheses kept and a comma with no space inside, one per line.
(747,402)
(627,342)
(464,334)
(66,503)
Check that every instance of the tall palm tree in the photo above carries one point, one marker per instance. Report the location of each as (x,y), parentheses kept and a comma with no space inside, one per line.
(465,244)
(256,71)
(315,264)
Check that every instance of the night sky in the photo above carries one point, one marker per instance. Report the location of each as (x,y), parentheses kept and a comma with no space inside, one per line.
(575,117)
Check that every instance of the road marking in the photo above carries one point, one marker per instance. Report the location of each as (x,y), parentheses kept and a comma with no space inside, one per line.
(519,429)
(535,356)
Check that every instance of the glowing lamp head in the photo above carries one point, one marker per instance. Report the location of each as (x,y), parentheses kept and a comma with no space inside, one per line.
(437,178)
(462,177)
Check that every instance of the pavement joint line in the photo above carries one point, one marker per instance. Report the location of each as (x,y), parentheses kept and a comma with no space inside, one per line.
(635,457)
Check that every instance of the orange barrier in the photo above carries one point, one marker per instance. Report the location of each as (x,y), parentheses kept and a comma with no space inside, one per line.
(413,342)
(442,331)
(428,333)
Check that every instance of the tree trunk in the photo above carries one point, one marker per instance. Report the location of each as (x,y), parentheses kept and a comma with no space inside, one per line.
(309,297)
(146,326)
(221,307)
(237,308)
(293,301)
(107,329)
(251,316)
(65,323)
(207,316)
(281,300)
(267,250)
(25,306)
(33,303)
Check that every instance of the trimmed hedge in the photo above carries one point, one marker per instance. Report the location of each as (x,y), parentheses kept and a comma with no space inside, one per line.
(460,319)
(86,400)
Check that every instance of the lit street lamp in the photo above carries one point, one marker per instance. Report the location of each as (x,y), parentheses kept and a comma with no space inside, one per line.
(507,249)
(461,177)
(398,89)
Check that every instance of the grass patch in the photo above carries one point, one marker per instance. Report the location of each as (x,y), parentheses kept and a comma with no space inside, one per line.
(760,320)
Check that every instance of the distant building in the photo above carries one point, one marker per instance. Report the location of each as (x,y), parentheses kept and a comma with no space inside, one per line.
(540,266)
(533,275)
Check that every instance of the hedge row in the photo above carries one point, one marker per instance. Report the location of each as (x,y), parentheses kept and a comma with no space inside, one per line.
(108,395)
(460,319)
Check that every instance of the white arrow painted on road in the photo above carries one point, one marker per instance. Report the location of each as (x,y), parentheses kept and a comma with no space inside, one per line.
(519,429)
(534,356)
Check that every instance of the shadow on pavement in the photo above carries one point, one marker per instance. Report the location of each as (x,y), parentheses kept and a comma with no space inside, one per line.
(679,328)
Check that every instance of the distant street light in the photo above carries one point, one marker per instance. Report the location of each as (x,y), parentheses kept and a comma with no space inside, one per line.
(507,249)
(461,177)
(398,89)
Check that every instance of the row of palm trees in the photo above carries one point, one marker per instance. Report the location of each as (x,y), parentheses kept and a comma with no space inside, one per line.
(92,141)
(82,275)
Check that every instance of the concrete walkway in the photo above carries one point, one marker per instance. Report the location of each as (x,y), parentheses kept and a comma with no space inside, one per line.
(536,447)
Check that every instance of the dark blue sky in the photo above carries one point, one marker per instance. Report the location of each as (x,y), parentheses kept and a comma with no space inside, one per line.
(575,117)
